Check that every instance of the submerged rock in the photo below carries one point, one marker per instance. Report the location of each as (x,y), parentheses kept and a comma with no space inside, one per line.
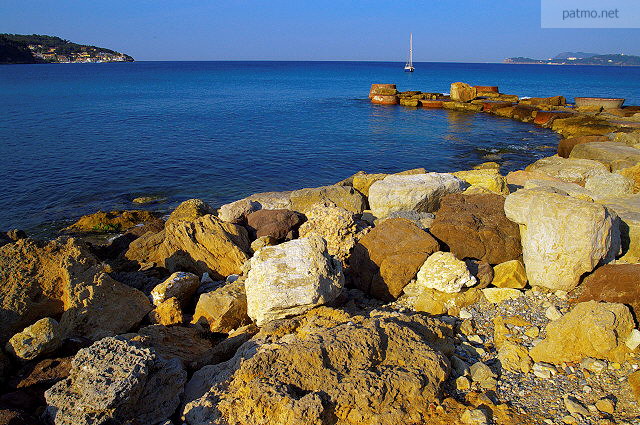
(419,192)
(389,256)
(326,367)
(562,237)
(114,381)
(291,278)
(114,221)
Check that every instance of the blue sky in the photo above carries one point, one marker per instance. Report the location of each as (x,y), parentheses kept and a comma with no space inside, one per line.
(443,30)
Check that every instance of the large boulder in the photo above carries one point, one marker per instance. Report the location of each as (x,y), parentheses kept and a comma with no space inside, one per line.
(190,210)
(115,381)
(614,283)
(204,245)
(342,196)
(336,225)
(104,308)
(565,146)
(40,279)
(613,155)
(180,285)
(275,223)
(572,170)
(114,221)
(475,226)
(627,208)
(291,278)
(418,192)
(43,337)
(389,256)
(223,309)
(582,125)
(562,237)
(237,211)
(327,367)
(462,92)
(562,187)
(632,173)
(609,185)
(363,181)
(590,329)
(489,179)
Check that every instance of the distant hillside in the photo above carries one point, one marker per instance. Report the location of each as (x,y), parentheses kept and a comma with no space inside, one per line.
(581,58)
(17,48)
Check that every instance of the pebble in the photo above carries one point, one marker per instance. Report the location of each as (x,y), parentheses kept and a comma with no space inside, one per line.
(544,370)
(463,384)
(475,338)
(532,332)
(552,313)
(474,417)
(633,341)
(574,406)
(465,314)
(605,405)
(593,365)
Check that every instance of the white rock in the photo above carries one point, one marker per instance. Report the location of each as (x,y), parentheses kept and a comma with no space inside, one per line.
(417,192)
(291,278)
(444,272)
(544,370)
(593,365)
(633,340)
(552,313)
(608,185)
(474,417)
(180,285)
(574,406)
(562,237)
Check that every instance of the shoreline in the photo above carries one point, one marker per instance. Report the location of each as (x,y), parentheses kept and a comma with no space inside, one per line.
(471,296)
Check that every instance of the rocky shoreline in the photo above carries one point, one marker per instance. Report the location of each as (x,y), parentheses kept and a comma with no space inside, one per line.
(469,297)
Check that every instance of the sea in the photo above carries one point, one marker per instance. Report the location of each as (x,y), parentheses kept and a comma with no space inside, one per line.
(78,138)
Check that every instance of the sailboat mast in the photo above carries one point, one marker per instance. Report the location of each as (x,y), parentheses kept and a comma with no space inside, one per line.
(411,49)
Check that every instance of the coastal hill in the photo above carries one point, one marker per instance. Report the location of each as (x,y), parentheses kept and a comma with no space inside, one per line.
(581,58)
(16,48)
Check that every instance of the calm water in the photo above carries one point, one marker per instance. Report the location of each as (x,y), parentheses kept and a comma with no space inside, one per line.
(81,137)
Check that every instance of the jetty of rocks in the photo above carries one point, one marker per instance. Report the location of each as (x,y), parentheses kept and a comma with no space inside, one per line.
(468,297)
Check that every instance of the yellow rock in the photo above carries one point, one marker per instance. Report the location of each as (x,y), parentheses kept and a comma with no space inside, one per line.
(489,179)
(498,295)
(434,302)
(632,173)
(510,274)
(514,357)
(167,313)
(487,166)
(634,383)
(362,182)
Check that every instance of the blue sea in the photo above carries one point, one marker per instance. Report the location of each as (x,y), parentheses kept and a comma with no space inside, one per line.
(77,138)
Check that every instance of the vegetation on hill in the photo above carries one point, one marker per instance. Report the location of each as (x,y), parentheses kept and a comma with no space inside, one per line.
(581,59)
(18,48)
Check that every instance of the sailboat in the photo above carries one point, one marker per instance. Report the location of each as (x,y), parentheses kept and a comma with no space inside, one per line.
(409,66)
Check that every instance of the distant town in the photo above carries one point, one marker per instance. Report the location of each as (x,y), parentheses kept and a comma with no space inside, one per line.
(17,48)
(581,58)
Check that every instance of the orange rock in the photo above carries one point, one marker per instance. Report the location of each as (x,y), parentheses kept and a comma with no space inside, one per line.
(167,313)
(382,89)
(566,145)
(520,177)
(384,99)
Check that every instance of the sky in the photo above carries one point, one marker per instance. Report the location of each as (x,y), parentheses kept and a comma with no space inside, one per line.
(443,30)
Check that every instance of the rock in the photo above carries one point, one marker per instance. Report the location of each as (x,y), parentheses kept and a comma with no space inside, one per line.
(474,417)
(572,170)
(463,384)
(362,182)
(630,139)
(420,219)
(615,156)
(189,345)
(382,89)
(633,340)
(552,313)
(436,302)
(461,92)
(224,309)
(521,177)
(384,99)
(627,208)
(483,375)
(632,173)
(593,365)
(491,165)
(275,223)
(190,210)
(167,313)
(207,244)
(510,274)
(482,271)
(180,285)
(325,364)
(43,337)
(634,382)
(475,226)
(227,348)
(609,185)
(419,192)
(581,125)
(564,188)
(409,102)
(39,279)
(114,221)
(562,237)
(462,106)
(514,357)
(113,381)
(444,272)
(498,295)
(546,101)
(147,199)
(263,241)
(590,329)
(613,283)
(237,212)
(342,196)
(489,179)
(389,256)
(574,406)
(336,225)
(291,278)
(104,308)
(565,146)
(606,406)
(544,370)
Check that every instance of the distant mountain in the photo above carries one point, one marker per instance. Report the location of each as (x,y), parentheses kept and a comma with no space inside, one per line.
(579,55)
(17,48)
(581,58)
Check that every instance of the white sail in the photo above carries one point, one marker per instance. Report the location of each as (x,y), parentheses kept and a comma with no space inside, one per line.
(409,66)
